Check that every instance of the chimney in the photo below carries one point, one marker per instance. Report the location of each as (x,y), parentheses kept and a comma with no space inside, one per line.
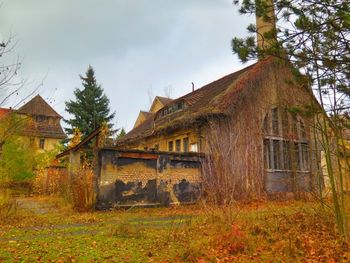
(264,25)
(192,87)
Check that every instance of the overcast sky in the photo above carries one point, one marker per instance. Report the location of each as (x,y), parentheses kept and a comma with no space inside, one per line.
(137,47)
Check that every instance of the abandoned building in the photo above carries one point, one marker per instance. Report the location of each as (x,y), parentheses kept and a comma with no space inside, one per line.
(246,125)
(41,123)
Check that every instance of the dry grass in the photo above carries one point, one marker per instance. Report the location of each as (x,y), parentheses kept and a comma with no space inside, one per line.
(259,232)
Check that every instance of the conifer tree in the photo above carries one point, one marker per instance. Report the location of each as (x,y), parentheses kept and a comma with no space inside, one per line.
(90,107)
(121,134)
(314,36)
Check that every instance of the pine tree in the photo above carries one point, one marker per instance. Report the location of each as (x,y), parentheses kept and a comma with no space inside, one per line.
(90,107)
(121,134)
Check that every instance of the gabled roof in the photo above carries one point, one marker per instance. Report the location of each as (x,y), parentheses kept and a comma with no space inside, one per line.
(216,98)
(164,100)
(38,107)
(143,116)
(159,100)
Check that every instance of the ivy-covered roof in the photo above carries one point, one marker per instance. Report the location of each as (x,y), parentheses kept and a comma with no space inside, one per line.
(213,99)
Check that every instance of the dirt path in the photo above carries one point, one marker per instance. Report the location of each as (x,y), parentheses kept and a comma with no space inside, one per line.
(33,205)
(42,207)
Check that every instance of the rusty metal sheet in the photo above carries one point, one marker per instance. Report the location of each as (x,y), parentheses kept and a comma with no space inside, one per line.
(147,156)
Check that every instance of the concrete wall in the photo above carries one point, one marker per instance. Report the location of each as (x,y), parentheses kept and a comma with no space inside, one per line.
(138,177)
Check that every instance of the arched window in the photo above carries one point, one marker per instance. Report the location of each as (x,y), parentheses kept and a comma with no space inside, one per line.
(286,144)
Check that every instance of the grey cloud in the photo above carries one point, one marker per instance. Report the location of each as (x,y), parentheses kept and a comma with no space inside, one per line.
(132,44)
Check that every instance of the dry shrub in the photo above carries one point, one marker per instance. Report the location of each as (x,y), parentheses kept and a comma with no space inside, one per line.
(51,181)
(231,170)
(82,188)
(8,205)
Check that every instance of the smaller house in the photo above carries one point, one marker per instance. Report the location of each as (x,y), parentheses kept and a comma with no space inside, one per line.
(43,126)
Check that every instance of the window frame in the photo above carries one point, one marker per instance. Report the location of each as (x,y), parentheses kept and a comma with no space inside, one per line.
(277,139)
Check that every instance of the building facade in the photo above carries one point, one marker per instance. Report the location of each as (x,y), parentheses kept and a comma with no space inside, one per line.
(253,116)
(38,121)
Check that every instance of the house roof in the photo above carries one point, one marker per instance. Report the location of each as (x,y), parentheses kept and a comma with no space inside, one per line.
(158,99)
(38,107)
(4,112)
(143,116)
(44,129)
(41,128)
(164,100)
(147,114)
(214,99)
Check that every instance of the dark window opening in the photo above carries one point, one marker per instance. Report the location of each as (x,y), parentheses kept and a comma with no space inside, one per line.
(178,145)
(186,144)
(171,109)
(170,146)
(42,143)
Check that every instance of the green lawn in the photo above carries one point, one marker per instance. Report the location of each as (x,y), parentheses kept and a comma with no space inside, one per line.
(259,232)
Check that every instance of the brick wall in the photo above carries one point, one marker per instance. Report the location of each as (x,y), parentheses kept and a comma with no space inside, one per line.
(137,177)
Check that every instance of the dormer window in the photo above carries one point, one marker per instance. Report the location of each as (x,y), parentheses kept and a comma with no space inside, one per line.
(177,106)
(40,118)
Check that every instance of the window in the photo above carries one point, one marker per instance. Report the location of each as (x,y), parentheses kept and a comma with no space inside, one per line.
(275,121)
(178,145)
(170,146)
(283,152)
(42,143)
(304,156)
(40,118)
(177,106)
(194,147)
(185,143)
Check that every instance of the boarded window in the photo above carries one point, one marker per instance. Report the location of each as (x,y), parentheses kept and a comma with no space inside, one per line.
(185,143)
(178,145)
(171,146)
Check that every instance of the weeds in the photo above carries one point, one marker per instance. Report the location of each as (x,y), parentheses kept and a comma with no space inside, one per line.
(81,187)
(8,205)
